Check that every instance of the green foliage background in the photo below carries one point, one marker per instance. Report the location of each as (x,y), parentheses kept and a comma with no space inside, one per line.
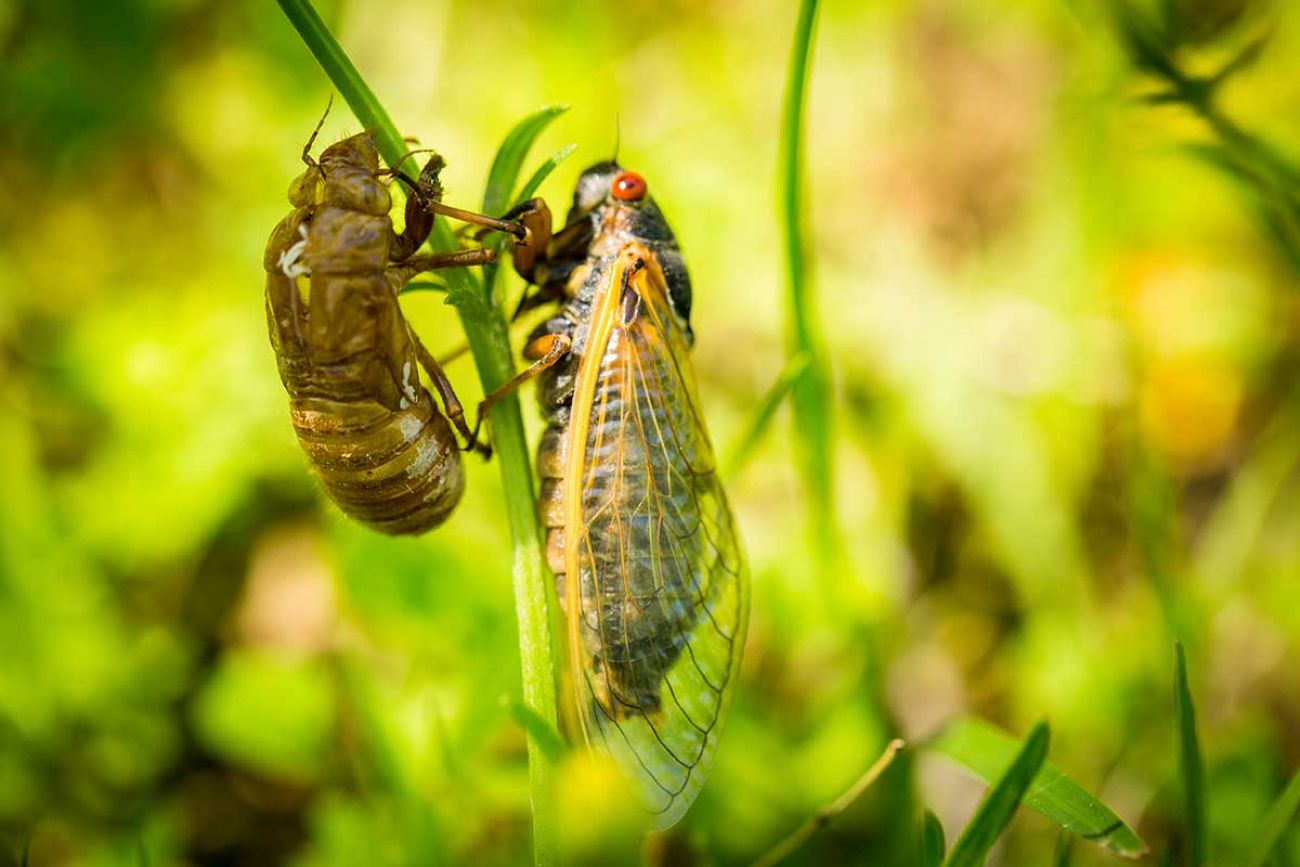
(1064,348)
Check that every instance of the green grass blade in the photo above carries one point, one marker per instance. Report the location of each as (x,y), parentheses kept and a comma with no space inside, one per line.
(812,391)
(999,805)
(510,158)
(340,70)
(543,171)
(1276,821)
(498,241)
(504,174)
(987,751)
(1063,856)
(762,419)
(932,843)
(544,732)
(1190,760)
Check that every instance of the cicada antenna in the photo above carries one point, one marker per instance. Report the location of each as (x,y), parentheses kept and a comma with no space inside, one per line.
(618,136)
(306,150)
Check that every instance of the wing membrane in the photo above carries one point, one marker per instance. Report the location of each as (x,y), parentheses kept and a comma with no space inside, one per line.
(658,612)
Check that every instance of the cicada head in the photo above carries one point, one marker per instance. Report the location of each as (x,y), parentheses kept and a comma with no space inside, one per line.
(351,167)
(621,209)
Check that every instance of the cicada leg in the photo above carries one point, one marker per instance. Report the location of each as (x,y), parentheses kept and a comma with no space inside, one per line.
(544,352)
(419,220)
(450,402)
(401,273)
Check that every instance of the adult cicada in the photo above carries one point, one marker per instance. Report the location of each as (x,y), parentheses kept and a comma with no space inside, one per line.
(347,356)
(651,573)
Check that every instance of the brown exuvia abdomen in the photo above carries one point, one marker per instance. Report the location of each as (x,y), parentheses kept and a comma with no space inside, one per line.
(397,471)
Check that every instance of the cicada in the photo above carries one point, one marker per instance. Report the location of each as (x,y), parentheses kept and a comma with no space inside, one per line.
(640,535)
(349,360)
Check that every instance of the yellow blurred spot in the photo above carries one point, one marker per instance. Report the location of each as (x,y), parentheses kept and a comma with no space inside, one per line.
(1189,409)
(600,820)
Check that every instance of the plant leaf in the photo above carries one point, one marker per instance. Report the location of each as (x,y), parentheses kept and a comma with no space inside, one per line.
(510,157)
(423,286)
(999,805)
(762,418)
(503,175)
(498,241)
(539,728)
(932,844)
(465,296)
(1190,759)
(543,171)
(1276,821)
(1064,844)
(986,751)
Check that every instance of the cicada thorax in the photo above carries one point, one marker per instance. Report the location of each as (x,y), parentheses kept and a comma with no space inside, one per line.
(639,533)
(347,357)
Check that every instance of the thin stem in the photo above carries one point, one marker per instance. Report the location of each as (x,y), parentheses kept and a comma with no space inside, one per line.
(489,342)
(812,392)
(826,814)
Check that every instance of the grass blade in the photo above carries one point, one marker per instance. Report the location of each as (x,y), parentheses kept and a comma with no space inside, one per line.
(1063,856)
(510,158)
(423,286)
(343,74)
(506,166)
(812,390)
(543,171)
(1276,821)
(762,419)
(999,805)
(1190,760)
(986,751)
(932,844)
(538,728)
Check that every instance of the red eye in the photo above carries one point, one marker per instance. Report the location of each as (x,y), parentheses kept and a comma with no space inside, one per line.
(628,187)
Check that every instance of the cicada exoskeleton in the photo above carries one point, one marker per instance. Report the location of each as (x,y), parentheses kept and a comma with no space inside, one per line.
(349,360)
(651,573)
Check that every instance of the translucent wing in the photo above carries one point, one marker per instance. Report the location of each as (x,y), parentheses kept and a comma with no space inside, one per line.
(658,613)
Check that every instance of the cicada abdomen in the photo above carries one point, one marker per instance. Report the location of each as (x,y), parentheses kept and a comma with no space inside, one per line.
(652,577)
(380,446)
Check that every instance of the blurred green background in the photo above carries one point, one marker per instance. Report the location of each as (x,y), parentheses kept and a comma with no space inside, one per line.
(1064,343)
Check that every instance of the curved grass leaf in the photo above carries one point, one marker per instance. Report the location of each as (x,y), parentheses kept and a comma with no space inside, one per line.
(506,166)
(510,157)
(999,805)
(1062,856)
(762,419)
(986,751)
(1189,749)
(543,731)
(498,241)
(527,190)
(1276,821)
(424,286)
(932,844)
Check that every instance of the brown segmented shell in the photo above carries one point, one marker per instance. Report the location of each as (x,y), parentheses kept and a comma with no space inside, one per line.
(372,433)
